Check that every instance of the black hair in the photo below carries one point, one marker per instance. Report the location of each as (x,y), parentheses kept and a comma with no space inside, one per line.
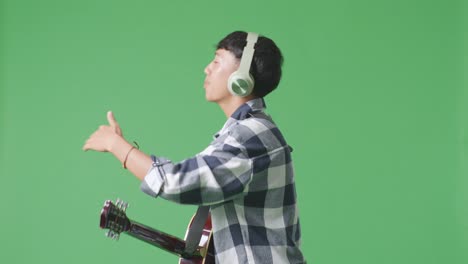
(266,63)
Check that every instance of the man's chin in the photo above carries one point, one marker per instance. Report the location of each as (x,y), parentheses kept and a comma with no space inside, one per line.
(208,98)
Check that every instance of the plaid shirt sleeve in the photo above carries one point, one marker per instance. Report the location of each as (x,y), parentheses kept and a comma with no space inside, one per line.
(219,173)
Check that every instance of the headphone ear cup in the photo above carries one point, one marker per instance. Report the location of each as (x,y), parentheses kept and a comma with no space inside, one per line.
(240,84)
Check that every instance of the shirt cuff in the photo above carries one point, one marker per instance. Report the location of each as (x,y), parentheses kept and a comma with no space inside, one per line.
(153,181)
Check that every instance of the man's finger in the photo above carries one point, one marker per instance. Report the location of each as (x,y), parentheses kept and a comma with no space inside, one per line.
(86,145)
(111,119)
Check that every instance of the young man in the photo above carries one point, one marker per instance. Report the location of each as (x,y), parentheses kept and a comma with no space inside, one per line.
(245,175)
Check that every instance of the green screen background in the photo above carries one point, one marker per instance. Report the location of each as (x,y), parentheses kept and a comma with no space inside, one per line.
(373,101)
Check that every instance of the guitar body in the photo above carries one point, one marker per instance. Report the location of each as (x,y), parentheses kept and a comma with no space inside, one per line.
(114,218)
(206,241)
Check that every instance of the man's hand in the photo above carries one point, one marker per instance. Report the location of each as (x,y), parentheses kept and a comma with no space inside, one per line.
(104,138)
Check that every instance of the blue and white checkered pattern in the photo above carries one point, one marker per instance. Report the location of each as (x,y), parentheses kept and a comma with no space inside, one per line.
(246,176)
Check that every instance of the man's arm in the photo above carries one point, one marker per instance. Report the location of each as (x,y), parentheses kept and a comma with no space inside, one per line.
(219,173)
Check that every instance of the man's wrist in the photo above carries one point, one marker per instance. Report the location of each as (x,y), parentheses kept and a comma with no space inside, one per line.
(118,145)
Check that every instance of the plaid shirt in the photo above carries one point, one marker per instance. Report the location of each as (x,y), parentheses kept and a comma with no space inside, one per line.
(246,177)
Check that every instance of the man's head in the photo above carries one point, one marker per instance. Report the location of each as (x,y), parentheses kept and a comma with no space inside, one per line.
(265,67)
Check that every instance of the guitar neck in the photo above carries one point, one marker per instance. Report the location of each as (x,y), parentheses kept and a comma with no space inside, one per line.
(160,239)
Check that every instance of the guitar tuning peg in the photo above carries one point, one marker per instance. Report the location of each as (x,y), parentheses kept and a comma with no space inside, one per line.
(121,204)
(112,235)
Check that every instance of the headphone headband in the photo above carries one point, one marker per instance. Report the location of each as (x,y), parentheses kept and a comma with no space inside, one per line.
(247,54)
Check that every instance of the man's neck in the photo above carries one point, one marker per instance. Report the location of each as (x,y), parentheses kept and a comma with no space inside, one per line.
(230,105)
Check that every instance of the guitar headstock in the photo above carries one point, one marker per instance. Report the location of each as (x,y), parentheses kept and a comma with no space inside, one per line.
(113,217)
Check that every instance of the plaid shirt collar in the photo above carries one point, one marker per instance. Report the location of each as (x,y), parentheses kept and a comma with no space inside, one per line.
(254,105)
(243,112)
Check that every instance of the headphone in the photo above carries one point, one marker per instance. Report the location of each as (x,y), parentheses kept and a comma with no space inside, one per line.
(241,82)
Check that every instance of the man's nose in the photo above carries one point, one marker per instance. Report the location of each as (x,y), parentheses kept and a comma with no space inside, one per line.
(207,69)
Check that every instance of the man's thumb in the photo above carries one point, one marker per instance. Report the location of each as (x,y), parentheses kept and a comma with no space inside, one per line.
(111,119)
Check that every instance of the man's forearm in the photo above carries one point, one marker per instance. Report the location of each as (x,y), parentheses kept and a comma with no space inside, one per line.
(135,160)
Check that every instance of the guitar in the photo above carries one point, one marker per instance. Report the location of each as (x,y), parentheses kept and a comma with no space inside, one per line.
(113,217)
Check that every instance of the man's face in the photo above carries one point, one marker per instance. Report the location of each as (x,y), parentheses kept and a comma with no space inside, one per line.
(217,75)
